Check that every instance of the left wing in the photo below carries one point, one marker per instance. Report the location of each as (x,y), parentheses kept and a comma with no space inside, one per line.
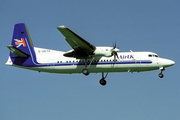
(81,47)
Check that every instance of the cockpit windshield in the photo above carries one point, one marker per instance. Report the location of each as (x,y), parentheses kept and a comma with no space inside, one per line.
(153,55)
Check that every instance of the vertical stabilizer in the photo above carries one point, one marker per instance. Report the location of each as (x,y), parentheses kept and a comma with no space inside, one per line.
(21,37)
(21,48)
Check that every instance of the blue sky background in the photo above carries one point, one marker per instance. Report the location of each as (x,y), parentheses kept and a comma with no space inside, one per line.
(138,25)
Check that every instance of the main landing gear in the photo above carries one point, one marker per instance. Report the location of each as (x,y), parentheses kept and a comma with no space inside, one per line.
(161,74)
(102,81)
(85,71)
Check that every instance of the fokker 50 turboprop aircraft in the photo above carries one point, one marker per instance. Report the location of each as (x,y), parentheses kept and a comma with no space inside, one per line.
(83,58)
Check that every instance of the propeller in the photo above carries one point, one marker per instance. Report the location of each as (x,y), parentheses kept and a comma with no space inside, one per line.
(114,52)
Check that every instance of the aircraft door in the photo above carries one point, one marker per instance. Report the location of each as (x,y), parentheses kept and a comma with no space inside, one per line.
(157,61)
(138,62)
(51,63)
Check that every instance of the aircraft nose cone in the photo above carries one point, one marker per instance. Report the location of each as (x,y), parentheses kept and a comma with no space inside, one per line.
(171,62)
(168,63)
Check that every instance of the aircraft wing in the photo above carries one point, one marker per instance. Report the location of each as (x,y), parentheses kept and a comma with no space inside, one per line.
(76,42)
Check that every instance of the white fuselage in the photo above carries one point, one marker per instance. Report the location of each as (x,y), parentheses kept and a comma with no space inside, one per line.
(53,61)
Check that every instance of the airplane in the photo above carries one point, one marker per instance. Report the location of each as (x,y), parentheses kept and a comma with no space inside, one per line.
(83,58)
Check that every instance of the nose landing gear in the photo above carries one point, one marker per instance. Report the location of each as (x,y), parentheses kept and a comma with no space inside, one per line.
(161,74)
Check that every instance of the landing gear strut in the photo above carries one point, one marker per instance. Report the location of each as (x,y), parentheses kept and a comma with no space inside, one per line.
(85,71)
(102,80)
(161,74)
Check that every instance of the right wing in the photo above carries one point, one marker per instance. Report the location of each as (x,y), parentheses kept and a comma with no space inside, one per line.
(79,45)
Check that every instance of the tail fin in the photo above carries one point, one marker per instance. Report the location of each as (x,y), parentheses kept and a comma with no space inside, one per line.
(21,47)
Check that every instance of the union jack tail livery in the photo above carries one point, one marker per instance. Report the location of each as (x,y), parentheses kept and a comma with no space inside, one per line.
(20,42)
(21,46)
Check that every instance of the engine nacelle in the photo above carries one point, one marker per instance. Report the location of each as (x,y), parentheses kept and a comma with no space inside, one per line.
(103,51)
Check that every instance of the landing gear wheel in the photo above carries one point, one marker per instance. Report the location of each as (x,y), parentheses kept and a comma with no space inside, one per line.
(102,82)
(85,71)
(161,75)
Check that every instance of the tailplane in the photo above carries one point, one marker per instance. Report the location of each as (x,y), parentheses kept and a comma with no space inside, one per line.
(21,48)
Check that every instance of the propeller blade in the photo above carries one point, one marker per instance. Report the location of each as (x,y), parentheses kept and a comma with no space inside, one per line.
(116,55)
(114,52)
(114,58)
(114,46)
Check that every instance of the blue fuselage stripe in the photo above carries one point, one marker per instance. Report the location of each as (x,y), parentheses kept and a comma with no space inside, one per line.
(95,63)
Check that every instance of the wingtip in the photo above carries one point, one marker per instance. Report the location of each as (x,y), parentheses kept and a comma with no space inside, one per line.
(61,27)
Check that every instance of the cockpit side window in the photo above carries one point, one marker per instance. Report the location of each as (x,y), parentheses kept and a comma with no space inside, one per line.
(150,55)
(156,55)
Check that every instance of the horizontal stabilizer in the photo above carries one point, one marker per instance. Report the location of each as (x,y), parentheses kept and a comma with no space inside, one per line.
(17,52)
